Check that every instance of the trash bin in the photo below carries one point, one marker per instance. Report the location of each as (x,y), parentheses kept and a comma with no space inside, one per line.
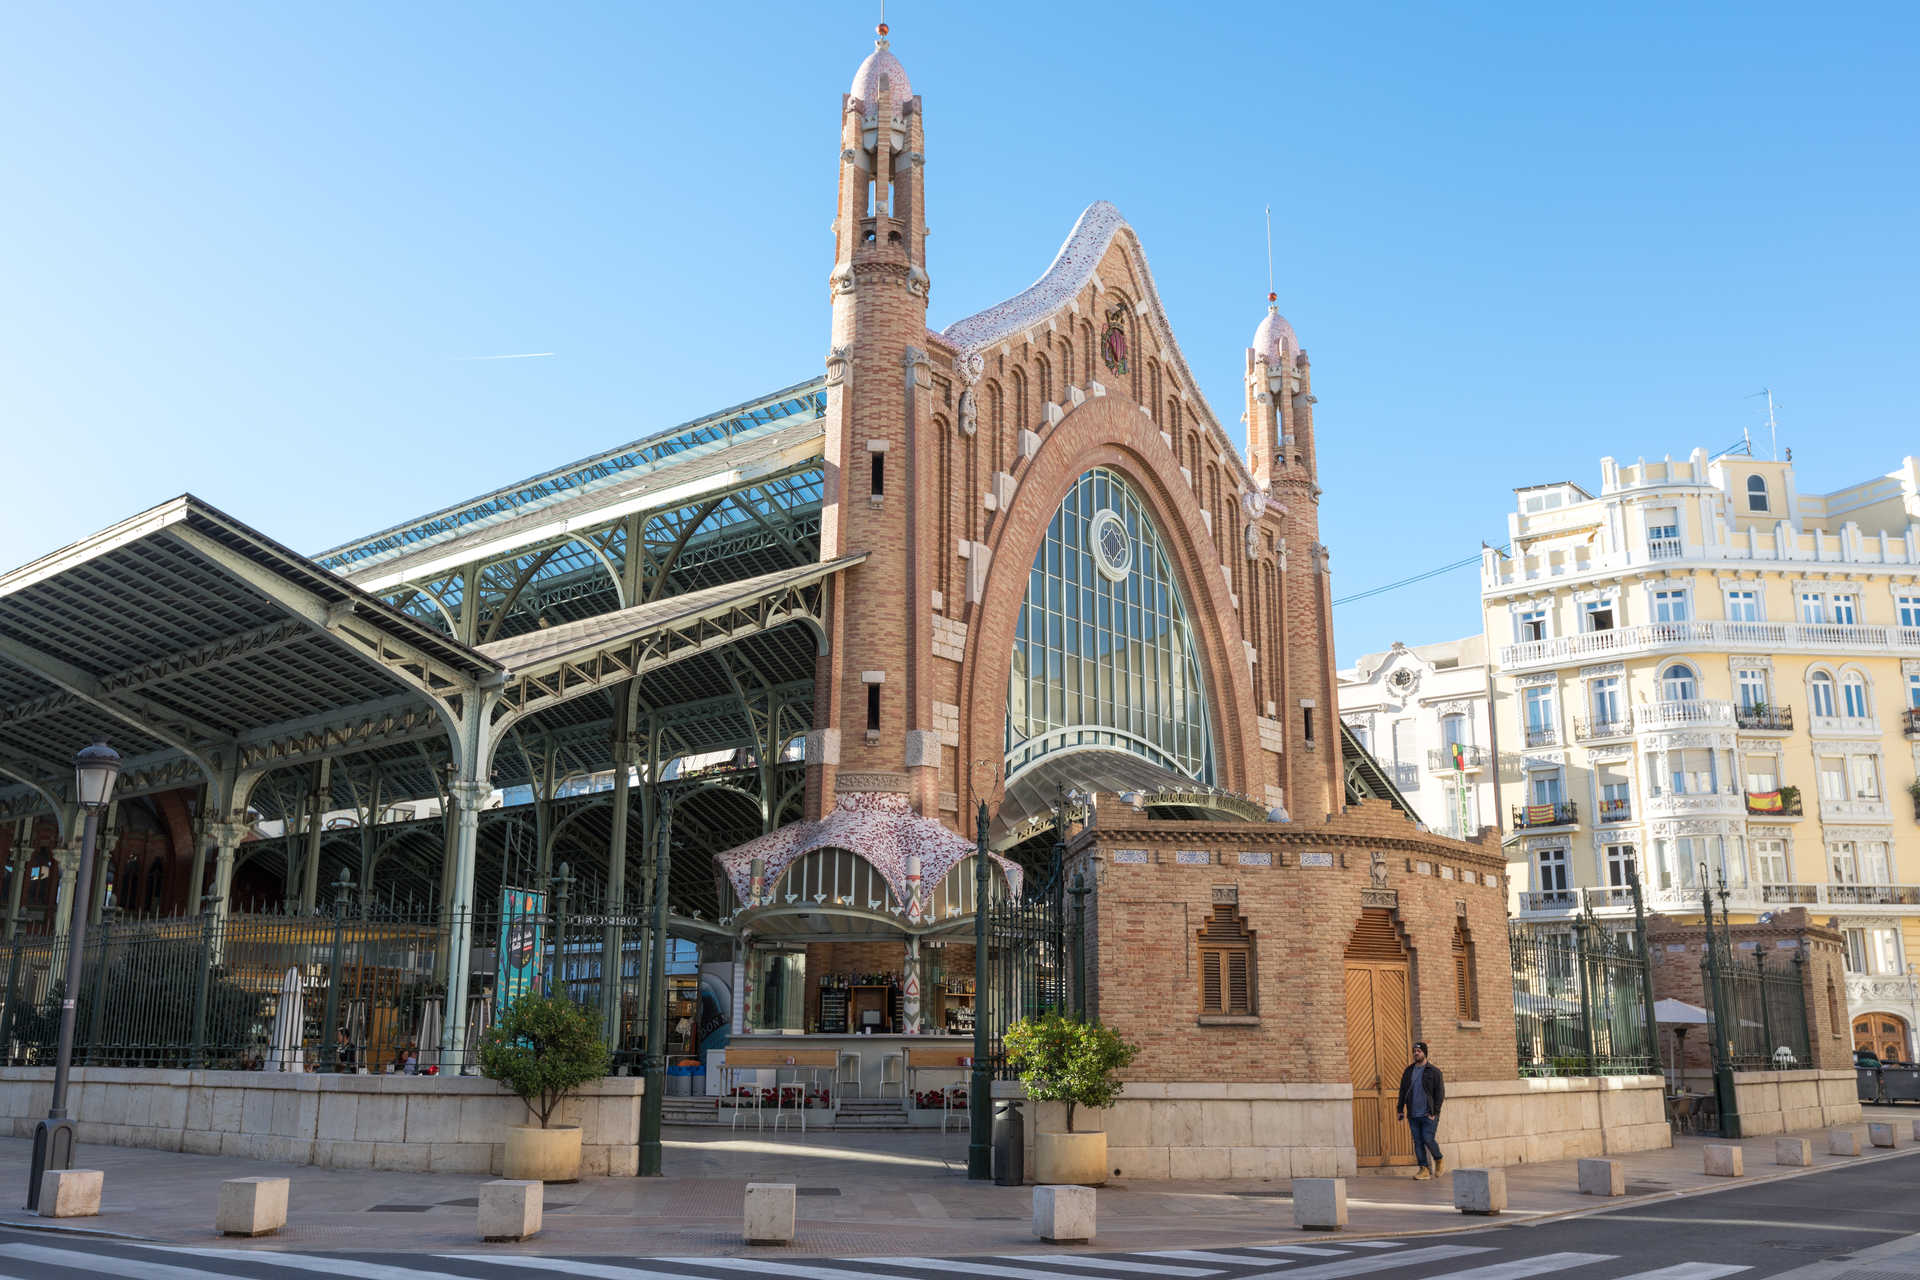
(1009,1144)
(684,1079)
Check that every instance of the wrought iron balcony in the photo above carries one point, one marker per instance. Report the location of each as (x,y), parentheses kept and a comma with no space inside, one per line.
(1617,726)
(1910,722)
(1563,814)
(1616,811)
(1440,759)
(1764,719)
(1843,895)
(1405,776)
(1608,896)
(1549,899)
(1542,735)
(1789,893)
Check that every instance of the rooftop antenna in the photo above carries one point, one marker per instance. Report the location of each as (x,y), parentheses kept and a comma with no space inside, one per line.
(1270,295)
(1773,427)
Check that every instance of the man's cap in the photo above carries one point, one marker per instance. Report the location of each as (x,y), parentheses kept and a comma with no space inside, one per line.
(1421,1045)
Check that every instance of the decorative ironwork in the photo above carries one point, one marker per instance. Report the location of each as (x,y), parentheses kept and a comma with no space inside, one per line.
(1580,999)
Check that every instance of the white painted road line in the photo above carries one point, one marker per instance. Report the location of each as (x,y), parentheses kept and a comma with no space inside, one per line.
(101,1264)
(1521,1268)
(1689,1271)
(1304,1250)
(761,1267)
(566,1266)
(974,1267)
(1374,1262)
(303,1262)
(1201,1255)
(1111,1264)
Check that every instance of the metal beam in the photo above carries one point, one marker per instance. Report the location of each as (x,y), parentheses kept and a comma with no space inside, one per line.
(163,724)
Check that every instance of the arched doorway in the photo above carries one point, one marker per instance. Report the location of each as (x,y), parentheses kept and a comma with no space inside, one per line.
(1882,1034)
(1379,1030)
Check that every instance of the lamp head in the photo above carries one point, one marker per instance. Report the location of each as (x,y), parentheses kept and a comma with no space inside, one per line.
(95,769)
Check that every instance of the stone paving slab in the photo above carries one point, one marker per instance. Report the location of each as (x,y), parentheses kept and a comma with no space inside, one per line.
(880,1193)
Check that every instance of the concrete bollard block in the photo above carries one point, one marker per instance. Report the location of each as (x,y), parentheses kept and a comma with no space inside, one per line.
(1794,1151)
(251,1206)
(1320,1204)
(1843,1142)
(769,1216)
(1916,1130)
(510,1208)
(1603,1178)
(1480,1190)
(1723,1161)
(1881,1135)
(70,1193)
(1063,1215)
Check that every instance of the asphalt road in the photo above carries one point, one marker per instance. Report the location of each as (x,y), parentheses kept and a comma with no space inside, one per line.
(1746,1232)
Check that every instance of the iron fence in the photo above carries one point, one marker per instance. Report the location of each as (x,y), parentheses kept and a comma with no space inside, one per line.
(1580,1001)
(347,989)
(1028,965)
(1766,1008)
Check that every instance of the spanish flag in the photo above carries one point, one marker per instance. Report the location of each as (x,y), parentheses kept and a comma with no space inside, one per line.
(1765,802)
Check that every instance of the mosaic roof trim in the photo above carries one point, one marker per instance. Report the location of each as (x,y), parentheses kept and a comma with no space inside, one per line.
(1100,224)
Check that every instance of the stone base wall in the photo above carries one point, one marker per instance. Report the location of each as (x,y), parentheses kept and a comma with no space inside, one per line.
(1786,1101)
(1279,1131)
(436,1124)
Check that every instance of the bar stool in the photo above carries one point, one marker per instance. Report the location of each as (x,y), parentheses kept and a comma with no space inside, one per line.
(730,1080)
(780,1098)
(843,1078)
(892,1072)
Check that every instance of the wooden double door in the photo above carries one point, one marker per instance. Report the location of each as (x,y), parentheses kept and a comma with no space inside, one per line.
(1379,1042)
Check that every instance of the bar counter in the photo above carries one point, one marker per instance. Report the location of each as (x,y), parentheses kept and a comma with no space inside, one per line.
(873,1050)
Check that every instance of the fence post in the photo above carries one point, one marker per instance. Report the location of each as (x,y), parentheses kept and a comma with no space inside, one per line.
(1646,970)
(342,888)
(562,894)
(100,985)
(1582,962)
(13,1000)
(1725,1017)
(1079,892)
(1764,982)
(199,1057)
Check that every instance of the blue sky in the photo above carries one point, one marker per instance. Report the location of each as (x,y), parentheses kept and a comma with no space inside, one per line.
(249,249)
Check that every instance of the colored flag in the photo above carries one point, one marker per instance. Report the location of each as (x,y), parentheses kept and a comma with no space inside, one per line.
(1765,802)
(1540,815)
(1459,757)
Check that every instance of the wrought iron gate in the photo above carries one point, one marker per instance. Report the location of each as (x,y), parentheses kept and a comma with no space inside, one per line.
(1027,961)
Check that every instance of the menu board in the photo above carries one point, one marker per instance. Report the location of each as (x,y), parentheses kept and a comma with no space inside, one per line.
(833,1011)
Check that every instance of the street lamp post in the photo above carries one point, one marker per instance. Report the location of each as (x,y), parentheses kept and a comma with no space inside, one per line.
(979,1104)
(94,771)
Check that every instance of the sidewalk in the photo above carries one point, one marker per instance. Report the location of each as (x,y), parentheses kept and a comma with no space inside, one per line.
(881,1193)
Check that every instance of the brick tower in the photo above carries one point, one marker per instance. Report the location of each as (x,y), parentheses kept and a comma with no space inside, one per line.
(871,704)
(1280,452)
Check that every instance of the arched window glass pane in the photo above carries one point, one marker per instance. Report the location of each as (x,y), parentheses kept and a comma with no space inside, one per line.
(1756,493)
(1854,690)
(1822,687)
(1676,683)
(1103,652)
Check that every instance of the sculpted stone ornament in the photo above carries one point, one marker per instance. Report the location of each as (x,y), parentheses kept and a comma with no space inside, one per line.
(1113,343)
(1377,869)
(1251,535)
(971,367)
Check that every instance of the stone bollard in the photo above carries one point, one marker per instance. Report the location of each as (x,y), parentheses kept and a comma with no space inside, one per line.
(1602,1178)
(1794,1151)
(251,1206)
(1881,1135)
(70,1193)
(1320,1204)
(1480,1190)
(769,1217)
(1723,1161)
(1843,1142)
(1916,1130)
(510,1208)
(1064,1214)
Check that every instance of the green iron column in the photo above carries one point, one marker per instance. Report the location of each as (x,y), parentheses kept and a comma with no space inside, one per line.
(654,1063)
(979,1105)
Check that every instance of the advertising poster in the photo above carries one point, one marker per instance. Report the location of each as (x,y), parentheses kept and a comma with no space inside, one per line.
(522,950)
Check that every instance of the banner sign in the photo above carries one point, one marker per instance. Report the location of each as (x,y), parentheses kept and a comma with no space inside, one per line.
(522,946)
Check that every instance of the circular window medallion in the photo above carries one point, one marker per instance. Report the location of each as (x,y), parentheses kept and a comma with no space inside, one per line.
(1112,548)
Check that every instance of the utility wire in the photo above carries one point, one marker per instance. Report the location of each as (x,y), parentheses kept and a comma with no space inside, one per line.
(1418,577)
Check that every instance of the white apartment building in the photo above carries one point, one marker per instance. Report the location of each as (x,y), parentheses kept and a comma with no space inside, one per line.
(1410,706)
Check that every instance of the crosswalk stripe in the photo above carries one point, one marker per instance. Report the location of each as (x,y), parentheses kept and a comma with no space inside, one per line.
(302,1262)
(974,1267)
(107,1264)
(1520,1268)
(763,1268)
(1202,1255)
(1373,1244)
(595,1270)
(1305,1250)
(1689,1271)
(1099,1263)
(1373,1262)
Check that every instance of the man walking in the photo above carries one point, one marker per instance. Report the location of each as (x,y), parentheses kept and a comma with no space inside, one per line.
(1422,1093)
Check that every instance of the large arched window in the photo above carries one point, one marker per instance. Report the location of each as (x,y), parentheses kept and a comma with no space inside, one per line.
(1677,683)
(1756,493)
(1821,688)
(1853,693)
(1103,653)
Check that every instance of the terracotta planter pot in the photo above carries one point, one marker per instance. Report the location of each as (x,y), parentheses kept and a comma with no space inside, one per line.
(545,1155)
(1068,1158)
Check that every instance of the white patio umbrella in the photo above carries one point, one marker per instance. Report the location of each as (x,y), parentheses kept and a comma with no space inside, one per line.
(427,1041)
(289,1023)
(1680,1015)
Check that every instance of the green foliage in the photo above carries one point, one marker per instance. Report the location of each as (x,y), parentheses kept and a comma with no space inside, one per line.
(1062,1059)
(543,1049)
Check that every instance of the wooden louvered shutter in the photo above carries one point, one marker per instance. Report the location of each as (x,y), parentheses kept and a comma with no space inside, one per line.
(1239,983)
(1227,968)
(1462,981)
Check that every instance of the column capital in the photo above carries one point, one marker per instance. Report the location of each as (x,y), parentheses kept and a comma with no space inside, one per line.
(470,796)
(228,835)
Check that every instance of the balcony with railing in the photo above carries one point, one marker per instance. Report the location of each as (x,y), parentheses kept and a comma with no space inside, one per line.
(1752,637)
(1618,725)
(1603,896)
(1542,735)
(1855,809)
(1722,802)
(1616,811)
(1405,776)
(1683,713)
(1564,813)
(1440,759)
(1549,899)
(1843,895)
(1784,803)
(1910,722)
(1763,718)
(1664,548)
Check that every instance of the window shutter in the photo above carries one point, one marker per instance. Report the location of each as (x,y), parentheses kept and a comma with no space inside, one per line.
(1210,1001)
(1239,993)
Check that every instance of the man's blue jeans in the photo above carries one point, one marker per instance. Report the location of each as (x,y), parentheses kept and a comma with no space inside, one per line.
(1423,1130)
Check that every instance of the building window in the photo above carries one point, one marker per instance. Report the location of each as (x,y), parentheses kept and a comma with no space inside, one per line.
(1756,493)
(873,708)
(1913,691)
(1841,863)
(1751,684)
(1833,778)
(1771,854)
(1619,861)
(879,474)
(1763,775)
(1743,605)
(1616,800)
(1552,870)
(1466,991)
(1865,772)
(1845,609)
(1533,624)
(1605,692)
(1853,690)
(1663,534)
(1677,683)
(1813,607)
(1670,605)
(1548,787)
(1873,862)
(1227,971)
(1540,727)
(1306,726)
(1103,659)
(1820,689)
(1599,615)
(1909,607)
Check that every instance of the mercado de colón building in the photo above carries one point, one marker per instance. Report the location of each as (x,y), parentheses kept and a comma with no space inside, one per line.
(1006,561)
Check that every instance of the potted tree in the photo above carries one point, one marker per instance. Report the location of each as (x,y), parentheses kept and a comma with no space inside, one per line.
(1062,1059)
(543,1049)
(1913,791)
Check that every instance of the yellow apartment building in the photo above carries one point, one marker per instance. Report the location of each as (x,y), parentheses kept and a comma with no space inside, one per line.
(1709,673)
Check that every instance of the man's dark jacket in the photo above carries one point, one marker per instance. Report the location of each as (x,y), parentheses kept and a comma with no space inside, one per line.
(1436,1089)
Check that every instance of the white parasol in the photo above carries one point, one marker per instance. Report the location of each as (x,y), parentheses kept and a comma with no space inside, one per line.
(289,1025)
